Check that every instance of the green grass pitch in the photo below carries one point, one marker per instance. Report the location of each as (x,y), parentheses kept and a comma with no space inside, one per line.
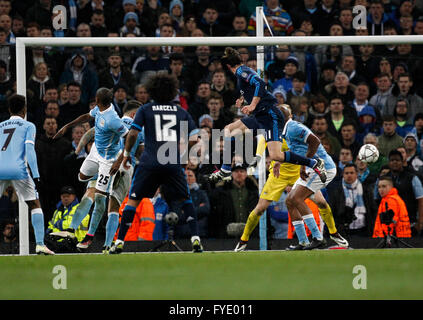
(274,275)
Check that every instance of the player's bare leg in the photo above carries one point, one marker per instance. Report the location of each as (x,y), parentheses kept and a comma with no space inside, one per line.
(301,214)
(327,216)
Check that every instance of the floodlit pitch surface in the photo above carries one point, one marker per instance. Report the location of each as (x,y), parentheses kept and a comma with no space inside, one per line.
(319,274)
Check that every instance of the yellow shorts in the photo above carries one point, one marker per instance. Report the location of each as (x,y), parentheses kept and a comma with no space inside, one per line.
(274,187)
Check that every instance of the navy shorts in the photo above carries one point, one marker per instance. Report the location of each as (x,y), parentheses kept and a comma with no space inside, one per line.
(146,180)
(271,121)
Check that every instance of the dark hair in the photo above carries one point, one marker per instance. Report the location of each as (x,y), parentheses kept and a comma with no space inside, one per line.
(98,12)
(388,118)
(351,165)
(52,101)
(49,117)
(386,178)
(382,74)
(231,57)
(162,88)
(319,118)
(16,103)
(405,74)
(166,25)
(74,84)
(104,96)
(215,96)
(395,152)
(336,96)
(176,56)
(131,105)
(418,116)
(2,30)
(33,25)
(300,76)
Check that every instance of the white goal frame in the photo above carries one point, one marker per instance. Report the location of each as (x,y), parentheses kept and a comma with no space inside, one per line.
(260,41)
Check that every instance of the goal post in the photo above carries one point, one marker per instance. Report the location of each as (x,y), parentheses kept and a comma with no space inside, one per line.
(259,41)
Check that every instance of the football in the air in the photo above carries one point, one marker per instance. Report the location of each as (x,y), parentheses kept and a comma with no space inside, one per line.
(368,153)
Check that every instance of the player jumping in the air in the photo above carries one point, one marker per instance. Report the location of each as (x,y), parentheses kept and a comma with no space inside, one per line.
(121,184)
(109,129)
(160,163)
(281,176)
(17,140)
(262,114)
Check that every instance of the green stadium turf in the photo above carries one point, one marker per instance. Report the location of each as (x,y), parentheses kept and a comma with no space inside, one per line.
(274,275)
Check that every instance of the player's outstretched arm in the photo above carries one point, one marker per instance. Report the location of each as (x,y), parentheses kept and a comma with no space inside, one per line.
(81,119)
(85,139)
(313,143)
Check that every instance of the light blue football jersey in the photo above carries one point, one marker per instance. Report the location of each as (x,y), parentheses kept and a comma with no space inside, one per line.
(296,134)
(127,121)
(109,128)
(14,134)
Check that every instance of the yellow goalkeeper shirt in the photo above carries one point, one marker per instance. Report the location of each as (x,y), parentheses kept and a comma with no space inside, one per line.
(286,169)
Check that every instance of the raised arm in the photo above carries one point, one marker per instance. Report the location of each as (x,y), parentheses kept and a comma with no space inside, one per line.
(81,119)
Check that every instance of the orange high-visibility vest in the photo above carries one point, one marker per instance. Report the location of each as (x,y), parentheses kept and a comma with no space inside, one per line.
(143,224)
(314,209)
(402,221)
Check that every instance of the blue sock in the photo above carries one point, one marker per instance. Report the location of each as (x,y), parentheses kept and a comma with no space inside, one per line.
(191,217)
(126,222)
(312,226)
(294,158)
(37,220)
(111,227)
(300,231)
(81,212)
(99,208)
(227,142)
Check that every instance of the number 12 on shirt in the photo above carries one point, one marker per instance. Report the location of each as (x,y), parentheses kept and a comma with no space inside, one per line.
(164,131)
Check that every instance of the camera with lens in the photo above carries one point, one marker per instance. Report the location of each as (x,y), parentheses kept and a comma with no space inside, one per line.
(387,216)
(348,216)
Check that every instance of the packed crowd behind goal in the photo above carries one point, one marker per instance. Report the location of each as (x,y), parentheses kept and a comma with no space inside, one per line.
(348,96)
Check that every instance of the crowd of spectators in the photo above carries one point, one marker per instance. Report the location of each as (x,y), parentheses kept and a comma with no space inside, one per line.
(348,95)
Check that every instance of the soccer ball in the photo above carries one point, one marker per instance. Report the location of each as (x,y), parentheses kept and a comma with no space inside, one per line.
(171,218)
(368,153)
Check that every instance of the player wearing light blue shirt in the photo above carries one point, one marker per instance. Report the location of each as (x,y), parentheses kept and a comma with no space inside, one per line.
(17,152)
(296,134)
(102,160)
(302,141)
(109,128)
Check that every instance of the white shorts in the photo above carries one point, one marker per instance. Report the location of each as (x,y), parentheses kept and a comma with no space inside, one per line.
(313,181)
(25,188)
(94,164)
